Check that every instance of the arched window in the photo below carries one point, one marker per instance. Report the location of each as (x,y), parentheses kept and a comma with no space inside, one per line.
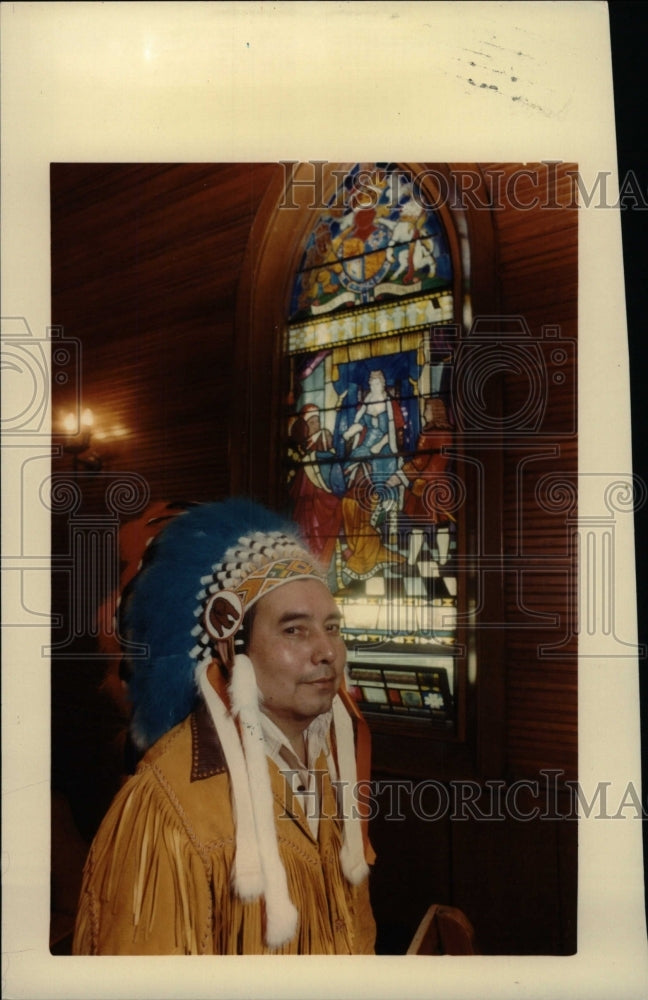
(357,287)
(370,430)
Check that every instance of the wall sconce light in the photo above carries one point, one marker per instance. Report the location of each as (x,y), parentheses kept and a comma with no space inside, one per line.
(91,443)
(77,441)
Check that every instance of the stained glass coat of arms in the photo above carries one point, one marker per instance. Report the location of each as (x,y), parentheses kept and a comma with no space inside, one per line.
(377,240)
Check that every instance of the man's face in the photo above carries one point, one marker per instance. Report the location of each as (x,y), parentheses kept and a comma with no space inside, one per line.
(297,653)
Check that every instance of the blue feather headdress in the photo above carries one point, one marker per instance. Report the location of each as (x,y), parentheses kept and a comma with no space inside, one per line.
(158,608)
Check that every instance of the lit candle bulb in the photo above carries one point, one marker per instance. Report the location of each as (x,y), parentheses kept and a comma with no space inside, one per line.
(69,424)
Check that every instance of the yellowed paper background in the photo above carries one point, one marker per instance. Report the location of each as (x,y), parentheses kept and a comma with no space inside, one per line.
(341,81)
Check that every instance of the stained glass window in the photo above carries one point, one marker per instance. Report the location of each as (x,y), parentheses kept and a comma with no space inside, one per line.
(370,430)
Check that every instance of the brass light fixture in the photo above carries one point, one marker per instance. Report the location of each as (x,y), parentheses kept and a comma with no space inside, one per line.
(86,441)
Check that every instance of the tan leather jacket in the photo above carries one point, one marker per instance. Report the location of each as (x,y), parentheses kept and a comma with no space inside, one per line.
(158,876)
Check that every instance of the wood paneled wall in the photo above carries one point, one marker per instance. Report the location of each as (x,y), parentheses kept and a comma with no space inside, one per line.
(145,269)
(538,279)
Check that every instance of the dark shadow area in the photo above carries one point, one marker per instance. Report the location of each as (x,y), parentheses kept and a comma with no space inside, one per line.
(628,22)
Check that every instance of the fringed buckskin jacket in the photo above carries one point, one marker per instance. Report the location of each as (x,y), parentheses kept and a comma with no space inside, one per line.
(157,880)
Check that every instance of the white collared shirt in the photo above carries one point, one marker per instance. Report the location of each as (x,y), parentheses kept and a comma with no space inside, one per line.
(300,774)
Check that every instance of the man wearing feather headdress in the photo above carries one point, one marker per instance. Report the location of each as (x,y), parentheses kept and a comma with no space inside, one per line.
(242,830)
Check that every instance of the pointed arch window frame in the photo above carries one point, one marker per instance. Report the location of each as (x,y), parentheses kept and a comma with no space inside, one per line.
(297,194)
